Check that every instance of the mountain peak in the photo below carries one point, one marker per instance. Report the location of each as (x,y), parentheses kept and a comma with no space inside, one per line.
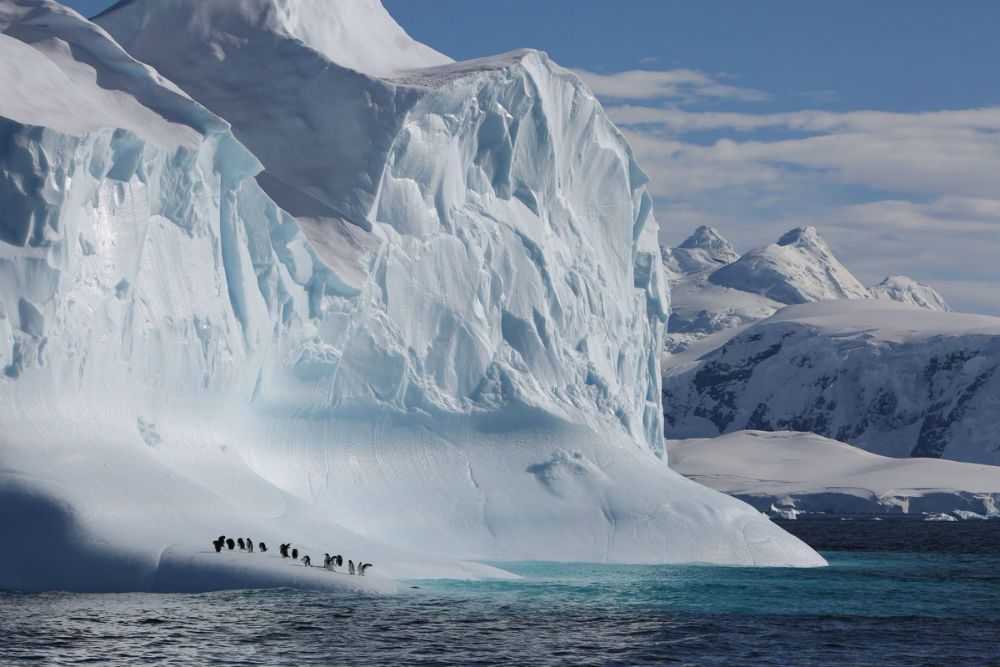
(707,238)
(907,290)
(802,237)
(799,268)
(704,249)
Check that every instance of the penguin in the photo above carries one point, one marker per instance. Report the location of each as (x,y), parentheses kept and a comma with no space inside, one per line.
(326,561)
(243,546)
(306,561)
(222,538)
(284,550)
(350,567)
(263,548)
(218,544)
(338,560)
(363,567)
(249,545)
(231,543)
(295,554)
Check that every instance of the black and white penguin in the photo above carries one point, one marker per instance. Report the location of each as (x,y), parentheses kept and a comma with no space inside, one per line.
(218,544)
(284,550)
(326,561)
(295,554)
(231,543)
(338,560)
(249,545)
(239,541)
(263,548)
(363,567)
(350,567)
(306,561)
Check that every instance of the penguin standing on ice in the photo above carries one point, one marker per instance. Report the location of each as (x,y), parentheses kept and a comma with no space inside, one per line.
(218,544)
(263,548)
(239,541)
(249,545)
(295,554)
(326,561)
(231,543)
(363,567)
(284,550)
(306,561)
(350,567)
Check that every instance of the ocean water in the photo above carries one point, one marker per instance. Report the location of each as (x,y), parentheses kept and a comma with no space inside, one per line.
(931,597)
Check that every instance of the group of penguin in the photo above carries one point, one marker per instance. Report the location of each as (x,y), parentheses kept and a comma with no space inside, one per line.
(329,562)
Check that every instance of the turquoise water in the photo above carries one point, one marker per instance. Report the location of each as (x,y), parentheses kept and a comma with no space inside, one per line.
(923,606)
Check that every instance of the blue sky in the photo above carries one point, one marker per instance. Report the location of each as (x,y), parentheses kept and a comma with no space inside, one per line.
(878,122)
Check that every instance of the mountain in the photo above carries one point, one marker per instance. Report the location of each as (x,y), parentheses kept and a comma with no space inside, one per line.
(414,316)
(788,474)
(699,307)
(907,290)
(799,268)
(704,250)
(890,378)
(713,288)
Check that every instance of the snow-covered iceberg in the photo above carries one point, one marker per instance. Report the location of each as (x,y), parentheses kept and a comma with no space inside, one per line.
(787,474)
(449,351)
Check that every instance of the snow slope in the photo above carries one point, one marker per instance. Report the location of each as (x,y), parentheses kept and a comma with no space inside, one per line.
(788,473)
(894,379)
(437,358)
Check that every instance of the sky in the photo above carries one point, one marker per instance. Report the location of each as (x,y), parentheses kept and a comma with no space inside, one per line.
(877,122)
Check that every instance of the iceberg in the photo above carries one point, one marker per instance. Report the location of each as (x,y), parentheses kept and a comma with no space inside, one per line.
(413,315)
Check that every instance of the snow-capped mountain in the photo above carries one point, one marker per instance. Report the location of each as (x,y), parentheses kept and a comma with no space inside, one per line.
(799,268)
(712,288)
(424,314)
(891,378)
(699,307)
(704,250)
(907,290)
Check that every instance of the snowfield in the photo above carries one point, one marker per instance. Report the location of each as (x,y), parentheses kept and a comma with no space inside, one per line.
(411,317)
(787,473)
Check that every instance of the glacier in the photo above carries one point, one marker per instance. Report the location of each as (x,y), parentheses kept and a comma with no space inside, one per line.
(411,314)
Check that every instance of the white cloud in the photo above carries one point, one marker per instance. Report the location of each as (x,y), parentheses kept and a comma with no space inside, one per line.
(684,85)
(941,153)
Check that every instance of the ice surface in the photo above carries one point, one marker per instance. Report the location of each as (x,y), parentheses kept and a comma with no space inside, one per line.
(888,377)
(790,473)
(450,351)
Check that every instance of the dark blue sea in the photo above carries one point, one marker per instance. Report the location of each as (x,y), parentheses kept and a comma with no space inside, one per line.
(896,593)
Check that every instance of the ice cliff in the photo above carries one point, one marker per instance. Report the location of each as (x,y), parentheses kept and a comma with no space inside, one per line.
(420,315)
